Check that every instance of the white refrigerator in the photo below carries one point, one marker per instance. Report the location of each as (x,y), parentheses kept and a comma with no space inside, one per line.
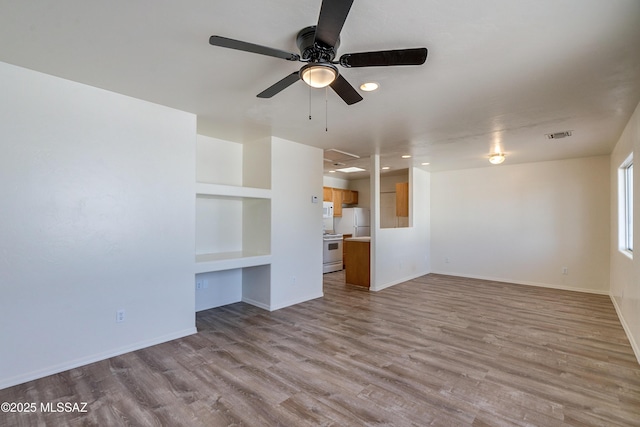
(355,221)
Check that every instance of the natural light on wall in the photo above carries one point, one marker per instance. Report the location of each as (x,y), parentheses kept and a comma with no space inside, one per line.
(625,207)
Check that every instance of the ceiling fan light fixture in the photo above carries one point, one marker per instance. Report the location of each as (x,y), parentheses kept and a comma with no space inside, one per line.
(318,75)
(496,158)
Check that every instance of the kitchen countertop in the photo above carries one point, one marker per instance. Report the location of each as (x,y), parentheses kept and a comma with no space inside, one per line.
(359,239)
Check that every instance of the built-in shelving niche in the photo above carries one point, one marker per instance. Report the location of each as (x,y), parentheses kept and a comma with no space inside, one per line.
(232,232)
(233,223)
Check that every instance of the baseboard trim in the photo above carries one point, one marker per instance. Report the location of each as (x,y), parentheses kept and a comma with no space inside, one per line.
(286,303)
(396,282)
(256,303)
(627,329)
(56,369)
(524,282)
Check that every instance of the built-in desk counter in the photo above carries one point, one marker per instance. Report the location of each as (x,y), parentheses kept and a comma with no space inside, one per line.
(357,261)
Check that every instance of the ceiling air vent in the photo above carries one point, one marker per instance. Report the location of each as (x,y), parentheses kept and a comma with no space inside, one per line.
(558,135)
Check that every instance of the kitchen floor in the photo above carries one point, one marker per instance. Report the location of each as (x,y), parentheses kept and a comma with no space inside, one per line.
(437,350)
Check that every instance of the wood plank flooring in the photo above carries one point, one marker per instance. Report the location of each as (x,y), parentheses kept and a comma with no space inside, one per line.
(438,350)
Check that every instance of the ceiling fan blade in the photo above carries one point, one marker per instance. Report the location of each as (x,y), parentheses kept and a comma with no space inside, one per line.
(333,13)
(279,86)
(344,89)
(383,58)
(253,48)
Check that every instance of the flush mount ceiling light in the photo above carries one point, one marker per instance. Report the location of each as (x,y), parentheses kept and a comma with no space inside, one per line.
(351,169)
(318,75)
(496,158)
(369,86)
(406,156)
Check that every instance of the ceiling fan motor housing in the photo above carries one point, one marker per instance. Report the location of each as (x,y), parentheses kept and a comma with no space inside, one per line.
(313,51)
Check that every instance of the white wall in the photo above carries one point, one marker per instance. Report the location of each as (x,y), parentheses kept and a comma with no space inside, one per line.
(296,235)
(363,187)
(218,288)
(97,213)
(218,220)
(523,223)
(401,254)
(218,161)
(625,272)
(335,182)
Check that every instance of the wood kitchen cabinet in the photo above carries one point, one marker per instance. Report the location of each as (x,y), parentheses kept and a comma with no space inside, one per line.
(327,194)
(402,199)
(349,197)
(358,261)
(339,196)
(337,201)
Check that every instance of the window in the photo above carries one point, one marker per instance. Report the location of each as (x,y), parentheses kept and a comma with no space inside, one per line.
(625,192)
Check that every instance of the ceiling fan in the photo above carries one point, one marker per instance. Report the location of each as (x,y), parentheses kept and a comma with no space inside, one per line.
(318,45)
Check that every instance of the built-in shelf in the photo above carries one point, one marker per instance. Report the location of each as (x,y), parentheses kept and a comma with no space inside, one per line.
(206,263)
(220,190)
(233,221)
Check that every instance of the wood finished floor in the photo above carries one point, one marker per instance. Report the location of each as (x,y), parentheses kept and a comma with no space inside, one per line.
(437,350)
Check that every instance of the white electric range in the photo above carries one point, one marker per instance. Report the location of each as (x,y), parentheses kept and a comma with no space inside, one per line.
(331,252)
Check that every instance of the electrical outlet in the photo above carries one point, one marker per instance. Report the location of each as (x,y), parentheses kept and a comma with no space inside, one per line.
(565,271)
(293,280)
(120,315)
(198,284)
(446,260)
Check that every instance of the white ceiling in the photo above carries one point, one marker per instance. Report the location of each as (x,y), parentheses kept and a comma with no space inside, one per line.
(498,71)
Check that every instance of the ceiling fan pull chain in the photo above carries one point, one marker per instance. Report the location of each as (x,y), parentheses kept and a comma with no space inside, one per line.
(326,109)
(309,102)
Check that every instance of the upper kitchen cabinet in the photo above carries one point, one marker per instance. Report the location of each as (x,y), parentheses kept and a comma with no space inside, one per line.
(402,199)
(337,202)
(339,197)
(394,199)
(327,194)
(349,197)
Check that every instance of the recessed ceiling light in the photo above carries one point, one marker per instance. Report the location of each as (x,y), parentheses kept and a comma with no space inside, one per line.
(426,164)
(351,169)
(384,168)
(369,86)
(406,156)
(332,171)
(496,158)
